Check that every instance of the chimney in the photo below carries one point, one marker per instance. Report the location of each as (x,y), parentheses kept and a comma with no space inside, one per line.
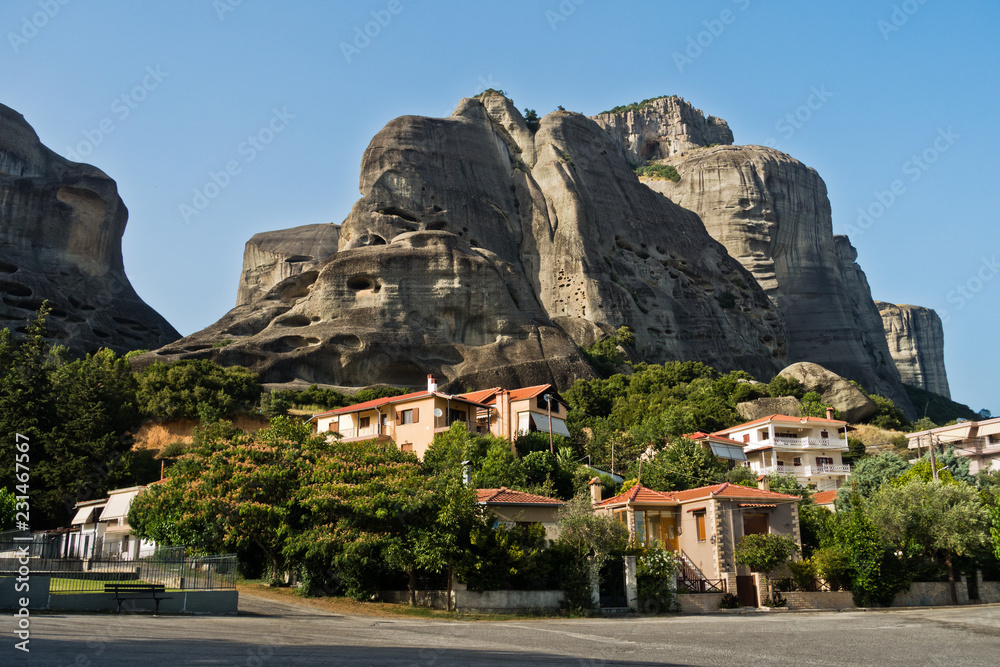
(432,385)
(595,491)
(763,483)
(829,413)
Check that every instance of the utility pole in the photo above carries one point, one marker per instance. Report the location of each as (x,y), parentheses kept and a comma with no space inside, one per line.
(548,402)
(933,463)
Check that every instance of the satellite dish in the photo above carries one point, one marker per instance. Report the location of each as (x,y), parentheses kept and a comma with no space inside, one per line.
(438,412)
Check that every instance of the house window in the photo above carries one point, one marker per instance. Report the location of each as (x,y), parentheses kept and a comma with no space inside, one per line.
(406,417)
(621,515)
(364,422)
(541,402)
(457,416)
(824,434)
(824,460)
(699,519)
(406,447)
(640,527)
(797,461)
(746,438)
(755,524)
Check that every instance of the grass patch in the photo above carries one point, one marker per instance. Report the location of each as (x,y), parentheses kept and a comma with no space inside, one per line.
(662,171)
(67,585)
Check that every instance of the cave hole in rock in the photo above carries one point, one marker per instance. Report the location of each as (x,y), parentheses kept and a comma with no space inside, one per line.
(14,289)
(6,267)
(293,321)
(101,333)
(436,226)
(294,259)
(371,239)
(400,213)
(359,283)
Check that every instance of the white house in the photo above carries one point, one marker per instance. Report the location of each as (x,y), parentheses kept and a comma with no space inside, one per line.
(810,448)
(103,528)
(978,440)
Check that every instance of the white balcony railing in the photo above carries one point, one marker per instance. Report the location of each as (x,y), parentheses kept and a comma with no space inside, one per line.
(805,441)
(803,471)
(372,431)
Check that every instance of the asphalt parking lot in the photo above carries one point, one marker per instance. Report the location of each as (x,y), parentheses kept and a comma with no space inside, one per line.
(278,633)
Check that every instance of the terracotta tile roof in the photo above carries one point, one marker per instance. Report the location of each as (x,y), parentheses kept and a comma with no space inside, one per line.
(825,497)
(505,496)
(379,402)
(528,392)
(700,435)
(781,418)
(640,494)
(728,490)
(481,396)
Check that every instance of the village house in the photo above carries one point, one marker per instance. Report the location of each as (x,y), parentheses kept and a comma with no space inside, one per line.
(518,508)
(979,441)
(810,448)
(703,526)
(412,420)
(728,451)
(103,529)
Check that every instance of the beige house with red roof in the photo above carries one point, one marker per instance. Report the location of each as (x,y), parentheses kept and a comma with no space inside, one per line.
(523,410)
(810,448)
(977,440)
(410,420)
(703,525)
(520,508)
(728,451)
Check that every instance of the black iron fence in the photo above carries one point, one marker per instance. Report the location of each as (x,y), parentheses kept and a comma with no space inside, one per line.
(169,566)
(685,585)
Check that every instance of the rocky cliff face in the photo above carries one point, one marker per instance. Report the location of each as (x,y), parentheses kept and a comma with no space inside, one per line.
(916,342)
(61,225)
(661,128)
(773,215)
(270,257)
(485,254)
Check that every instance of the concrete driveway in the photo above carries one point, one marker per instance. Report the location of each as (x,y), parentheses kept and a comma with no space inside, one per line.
(284,633)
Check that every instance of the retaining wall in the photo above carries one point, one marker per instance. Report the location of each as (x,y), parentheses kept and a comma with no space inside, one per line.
(483,602)
(182,602)
(820,600)
(699,603)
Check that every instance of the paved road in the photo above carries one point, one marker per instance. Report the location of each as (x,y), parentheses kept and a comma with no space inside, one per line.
(278,633)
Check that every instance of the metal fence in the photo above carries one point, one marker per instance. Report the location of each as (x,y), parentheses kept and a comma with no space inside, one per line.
(814,585)
(170,566)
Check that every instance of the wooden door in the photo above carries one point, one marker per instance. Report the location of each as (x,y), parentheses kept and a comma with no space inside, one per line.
(668,532)
(746,591)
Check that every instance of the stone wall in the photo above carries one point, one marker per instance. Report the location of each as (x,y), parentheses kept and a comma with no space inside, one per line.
(821,600)
(482,602)
(180,602)
(699,603)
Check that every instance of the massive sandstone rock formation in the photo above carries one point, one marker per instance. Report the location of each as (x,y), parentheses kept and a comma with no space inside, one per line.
(485,254)
(61,225)
(270,257)
(661,128)
(834,390)
(916,342)
(773,215)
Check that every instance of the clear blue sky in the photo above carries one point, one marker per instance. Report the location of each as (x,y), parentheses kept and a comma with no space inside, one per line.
(211,74)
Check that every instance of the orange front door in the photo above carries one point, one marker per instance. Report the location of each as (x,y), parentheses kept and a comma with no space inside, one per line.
(668,532)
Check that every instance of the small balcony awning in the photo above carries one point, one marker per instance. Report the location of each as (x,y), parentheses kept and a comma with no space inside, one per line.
(730,452)
(86,515)
(542,424)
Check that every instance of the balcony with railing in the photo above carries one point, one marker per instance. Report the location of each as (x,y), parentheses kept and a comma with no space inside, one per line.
(804,470)
(361,433)
(804,442)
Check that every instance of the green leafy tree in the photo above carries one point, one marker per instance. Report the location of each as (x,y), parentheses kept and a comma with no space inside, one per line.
(888,415)
(683,465)
(196,389)
(868,475)
(764,553)
(8,503)
(586,541)
(813,406)
(531,120)
(784,386)
(936,518)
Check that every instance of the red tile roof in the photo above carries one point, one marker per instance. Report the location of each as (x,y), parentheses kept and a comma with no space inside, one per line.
(528,392)
(700,435)
(825,497)
(505,496)
(727,490)
(781,418)
(640,494)
(379,402)
(482,395)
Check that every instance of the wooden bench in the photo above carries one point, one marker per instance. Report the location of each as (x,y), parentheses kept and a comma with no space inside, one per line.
(123,592)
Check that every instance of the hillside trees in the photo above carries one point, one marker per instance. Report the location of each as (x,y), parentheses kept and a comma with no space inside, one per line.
(196,389)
